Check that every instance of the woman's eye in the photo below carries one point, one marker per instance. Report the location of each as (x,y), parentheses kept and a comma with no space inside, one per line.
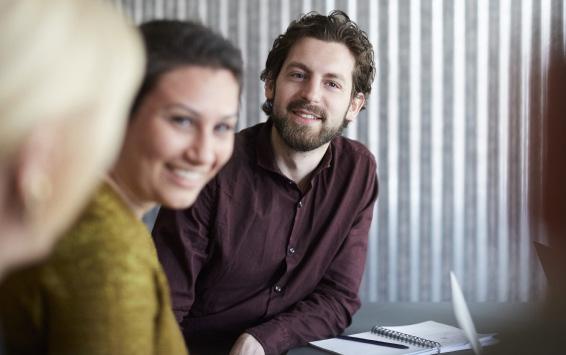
(183,121)
(224,127)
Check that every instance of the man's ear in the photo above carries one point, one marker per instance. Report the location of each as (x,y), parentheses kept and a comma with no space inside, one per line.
(269,89)
(356,105)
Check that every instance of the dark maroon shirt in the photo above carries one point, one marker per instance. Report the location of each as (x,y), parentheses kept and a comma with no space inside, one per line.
(256,255)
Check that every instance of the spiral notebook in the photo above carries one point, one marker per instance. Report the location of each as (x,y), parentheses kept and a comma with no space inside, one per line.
(422,338)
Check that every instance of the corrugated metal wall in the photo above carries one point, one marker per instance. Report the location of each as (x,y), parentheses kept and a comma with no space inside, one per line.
(454,121)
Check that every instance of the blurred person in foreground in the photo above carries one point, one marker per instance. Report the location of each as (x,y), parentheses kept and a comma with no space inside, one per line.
(103,290)
(543,332)
(272,253)
(68,72)
(554,190)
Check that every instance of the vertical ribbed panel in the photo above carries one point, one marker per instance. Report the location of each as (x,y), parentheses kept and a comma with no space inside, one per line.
(243,45)
(481,147)
(453,120)
(437,149)
(415,149)
(459,139)
(370,291)
(503,152)
(393,151)
(524,145)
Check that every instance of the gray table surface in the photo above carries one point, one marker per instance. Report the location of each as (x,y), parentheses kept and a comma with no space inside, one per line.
(488,317)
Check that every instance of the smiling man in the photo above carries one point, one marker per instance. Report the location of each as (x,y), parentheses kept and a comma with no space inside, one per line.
(272,253)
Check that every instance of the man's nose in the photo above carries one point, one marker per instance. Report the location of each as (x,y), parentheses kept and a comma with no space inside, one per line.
(311,90)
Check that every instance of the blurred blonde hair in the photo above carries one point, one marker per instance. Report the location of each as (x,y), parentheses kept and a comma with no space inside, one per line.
(69,70)
(61,57)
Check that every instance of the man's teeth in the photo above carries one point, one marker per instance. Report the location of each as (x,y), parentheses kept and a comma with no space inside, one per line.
(187,174)
(308,116)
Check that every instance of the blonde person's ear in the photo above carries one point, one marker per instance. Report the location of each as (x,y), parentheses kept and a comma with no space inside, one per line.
(36,191)
(356,105)
(33,181)
(27,193)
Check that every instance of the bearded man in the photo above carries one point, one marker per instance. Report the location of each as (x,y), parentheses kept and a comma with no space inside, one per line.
(271,255)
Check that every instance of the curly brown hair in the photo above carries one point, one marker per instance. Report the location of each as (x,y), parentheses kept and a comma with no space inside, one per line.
(336,27)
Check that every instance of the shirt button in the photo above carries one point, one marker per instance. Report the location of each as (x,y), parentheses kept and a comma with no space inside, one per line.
(291,251)
(277,289)
(300,204)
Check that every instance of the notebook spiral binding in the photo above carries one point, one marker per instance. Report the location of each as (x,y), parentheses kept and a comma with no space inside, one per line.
(406,338)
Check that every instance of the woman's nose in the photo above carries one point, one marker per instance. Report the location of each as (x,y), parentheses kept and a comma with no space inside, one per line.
(201,149)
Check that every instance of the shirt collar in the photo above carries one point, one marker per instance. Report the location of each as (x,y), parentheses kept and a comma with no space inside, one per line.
(265,155)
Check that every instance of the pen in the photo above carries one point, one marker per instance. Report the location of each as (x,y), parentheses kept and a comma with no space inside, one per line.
(374,342)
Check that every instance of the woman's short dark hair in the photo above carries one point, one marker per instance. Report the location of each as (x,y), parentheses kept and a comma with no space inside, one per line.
(171,44)
(336,27)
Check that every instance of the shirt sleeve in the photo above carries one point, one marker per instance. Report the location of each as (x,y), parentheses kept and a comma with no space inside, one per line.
(182,238)
(328,310)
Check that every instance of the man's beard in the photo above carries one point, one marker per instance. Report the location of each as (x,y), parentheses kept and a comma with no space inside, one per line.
(299,137)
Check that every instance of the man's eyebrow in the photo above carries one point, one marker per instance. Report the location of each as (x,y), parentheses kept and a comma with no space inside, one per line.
(335,76)
(298,65)
(302,66)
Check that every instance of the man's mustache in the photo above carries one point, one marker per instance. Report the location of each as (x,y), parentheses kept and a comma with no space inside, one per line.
(304,105)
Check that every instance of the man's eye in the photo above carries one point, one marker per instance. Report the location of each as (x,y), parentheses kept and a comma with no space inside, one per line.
(297,75)
(333,85)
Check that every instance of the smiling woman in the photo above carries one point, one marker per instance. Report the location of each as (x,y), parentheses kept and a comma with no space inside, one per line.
(103,290)
(179,137)
(182,124)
